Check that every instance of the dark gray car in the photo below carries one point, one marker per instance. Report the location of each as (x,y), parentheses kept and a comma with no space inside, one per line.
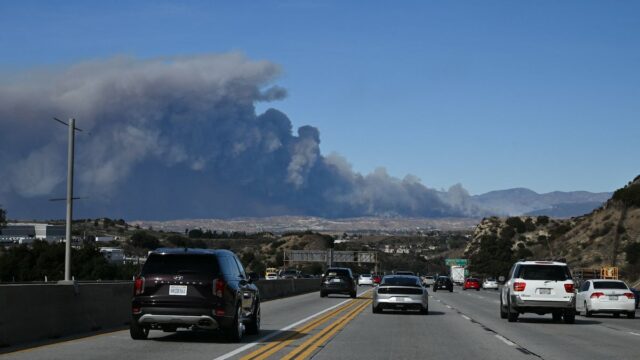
(194,288)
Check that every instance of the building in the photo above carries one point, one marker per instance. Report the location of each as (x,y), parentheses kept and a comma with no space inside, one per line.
(24,233)
(113,255)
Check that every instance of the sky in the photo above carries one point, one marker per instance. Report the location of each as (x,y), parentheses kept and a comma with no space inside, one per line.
(490,94)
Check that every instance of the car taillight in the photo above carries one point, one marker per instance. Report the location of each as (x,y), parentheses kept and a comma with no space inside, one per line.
(519,286)
(629,295)
(568,288)
(138,285)
(218,287)
(596,295)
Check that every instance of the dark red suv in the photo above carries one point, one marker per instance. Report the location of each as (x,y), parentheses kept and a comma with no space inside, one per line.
(194,288)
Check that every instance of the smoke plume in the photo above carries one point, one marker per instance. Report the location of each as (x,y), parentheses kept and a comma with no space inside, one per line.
(180,138)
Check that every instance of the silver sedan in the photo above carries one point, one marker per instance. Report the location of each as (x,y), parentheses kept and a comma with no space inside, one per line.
(401,292)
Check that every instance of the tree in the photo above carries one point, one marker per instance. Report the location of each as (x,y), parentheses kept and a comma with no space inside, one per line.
(494,258)
(516,223)
(633,253)
(3,217)
(142,239)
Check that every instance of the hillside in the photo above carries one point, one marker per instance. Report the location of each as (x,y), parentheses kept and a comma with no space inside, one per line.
(609,235)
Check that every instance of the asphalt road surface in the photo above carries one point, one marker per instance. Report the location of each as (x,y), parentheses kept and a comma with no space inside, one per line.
(462,325)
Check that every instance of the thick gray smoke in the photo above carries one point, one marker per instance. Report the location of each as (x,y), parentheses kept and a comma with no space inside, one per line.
(180,138)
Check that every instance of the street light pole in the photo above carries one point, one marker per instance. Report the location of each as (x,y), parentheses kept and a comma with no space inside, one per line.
(67,249)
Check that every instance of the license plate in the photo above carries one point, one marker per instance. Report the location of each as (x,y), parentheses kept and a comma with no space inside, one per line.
(398,298)
(545,291)
(336,280)
(613,298)
(180,290)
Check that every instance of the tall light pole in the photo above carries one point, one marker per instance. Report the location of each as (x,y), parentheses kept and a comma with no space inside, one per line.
(70,153)
(67,248)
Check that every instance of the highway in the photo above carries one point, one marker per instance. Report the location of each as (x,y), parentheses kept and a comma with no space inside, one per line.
(462,324)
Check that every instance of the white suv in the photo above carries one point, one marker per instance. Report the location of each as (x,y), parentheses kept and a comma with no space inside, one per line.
(540,287)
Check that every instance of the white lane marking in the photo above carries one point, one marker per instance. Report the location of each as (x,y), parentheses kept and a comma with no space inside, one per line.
(634,333)
(504,340)
(278,332)
(466,317)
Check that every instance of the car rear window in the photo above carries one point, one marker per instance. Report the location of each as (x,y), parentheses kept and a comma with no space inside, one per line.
(609,285)
(400,281)
(543,272)
(180,264)
(337,272)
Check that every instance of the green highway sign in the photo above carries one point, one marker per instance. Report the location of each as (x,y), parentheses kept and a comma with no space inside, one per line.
(456,262)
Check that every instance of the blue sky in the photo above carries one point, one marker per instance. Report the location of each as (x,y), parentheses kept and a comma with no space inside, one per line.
(492,94)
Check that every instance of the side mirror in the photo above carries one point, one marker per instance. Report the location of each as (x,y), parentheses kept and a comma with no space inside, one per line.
(253,277)
(501,279)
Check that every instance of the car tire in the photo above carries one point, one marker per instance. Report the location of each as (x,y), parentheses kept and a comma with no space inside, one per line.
(375,309)
(616,315)
(435,289)
(464,288)
(569,316)
(353,295)
(235,332)
(323,294)
(587,312)
(503,312)
(512,316)
(556,316)
(450,289)
(253,327)
(478,289)
(137,331)
(424,311)
(631,314)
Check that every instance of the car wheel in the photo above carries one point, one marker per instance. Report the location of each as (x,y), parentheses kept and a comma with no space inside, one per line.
(464,288)
(450,289)
(435,289)
(254,324)
(569,316)
(478,289)
(631,314)
(137,331)
(512,316)
(424,311)
(323,294)
(587,312)
(353,294)
(556,316)
(616,315)
(375,309)
(237,328)
(503,313)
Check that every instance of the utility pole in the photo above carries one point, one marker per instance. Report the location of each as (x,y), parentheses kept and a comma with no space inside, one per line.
(70,157)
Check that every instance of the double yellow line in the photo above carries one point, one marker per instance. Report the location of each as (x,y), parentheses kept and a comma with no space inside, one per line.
(306,348)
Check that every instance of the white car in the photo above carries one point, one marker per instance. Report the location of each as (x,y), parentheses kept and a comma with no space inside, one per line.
(365,279)
(539,287)
(428,281)
(490,283)
(606,296)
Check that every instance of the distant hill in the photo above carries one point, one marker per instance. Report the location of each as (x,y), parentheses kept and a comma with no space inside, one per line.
(522,201)
(608,235)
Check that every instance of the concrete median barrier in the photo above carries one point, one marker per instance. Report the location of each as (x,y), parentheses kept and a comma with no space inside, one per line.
(37,312)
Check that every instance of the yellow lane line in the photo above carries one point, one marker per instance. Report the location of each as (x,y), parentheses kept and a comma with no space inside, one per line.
(316,340)
(275,346)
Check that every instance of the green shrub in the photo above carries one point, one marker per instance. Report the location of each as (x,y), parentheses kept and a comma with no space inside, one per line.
(628,195)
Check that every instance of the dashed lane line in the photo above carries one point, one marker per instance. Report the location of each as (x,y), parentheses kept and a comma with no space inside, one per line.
(505,340)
